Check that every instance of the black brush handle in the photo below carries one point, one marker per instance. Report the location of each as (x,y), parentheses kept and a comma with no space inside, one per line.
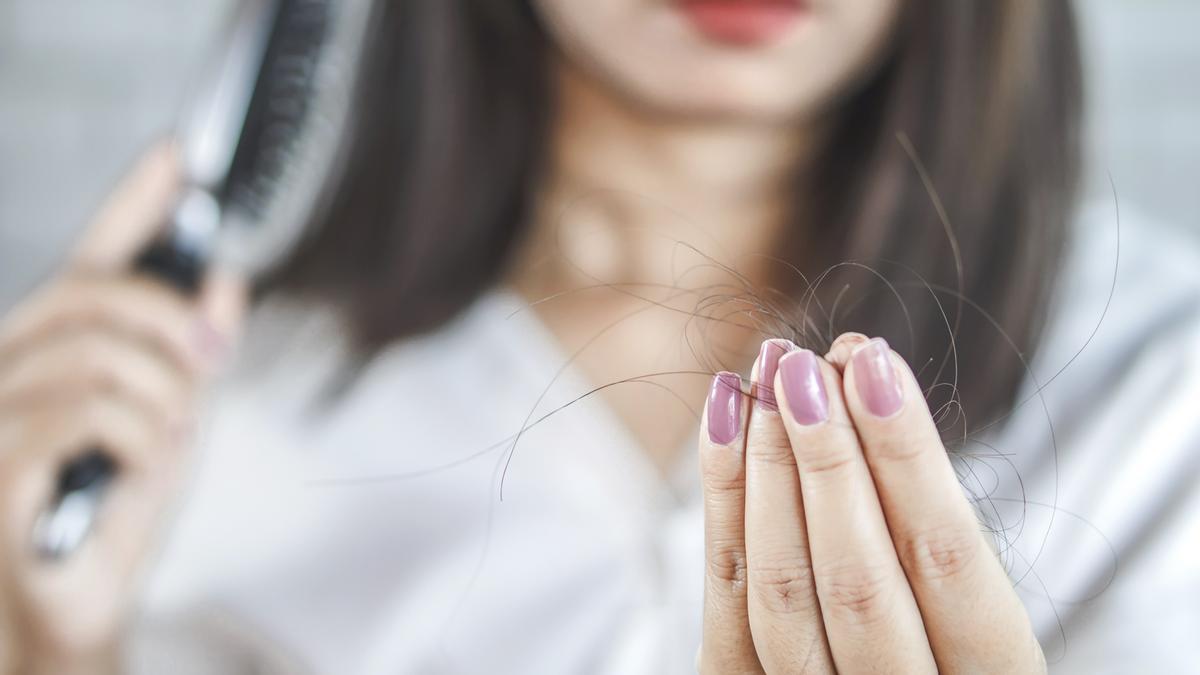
(177,265)
(95,466)
(82,482)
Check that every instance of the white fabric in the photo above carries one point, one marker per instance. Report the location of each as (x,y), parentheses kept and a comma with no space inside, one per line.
(592,563)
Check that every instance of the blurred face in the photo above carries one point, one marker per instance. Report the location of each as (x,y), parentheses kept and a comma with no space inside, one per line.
(769,60)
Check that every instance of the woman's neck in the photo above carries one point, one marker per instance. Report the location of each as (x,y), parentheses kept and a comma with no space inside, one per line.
(643,183)
(640,219)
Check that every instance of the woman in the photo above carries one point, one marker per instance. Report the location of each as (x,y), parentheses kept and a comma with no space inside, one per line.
(546,198)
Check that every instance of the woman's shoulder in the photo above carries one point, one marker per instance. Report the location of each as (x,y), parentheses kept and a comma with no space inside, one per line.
(1097,459)
(1124,324)
(1129,289)
(1133,273)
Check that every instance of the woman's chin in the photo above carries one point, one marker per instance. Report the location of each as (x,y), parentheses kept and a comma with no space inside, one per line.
(704,94)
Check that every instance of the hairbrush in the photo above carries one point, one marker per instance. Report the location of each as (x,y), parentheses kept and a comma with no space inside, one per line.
(259,140)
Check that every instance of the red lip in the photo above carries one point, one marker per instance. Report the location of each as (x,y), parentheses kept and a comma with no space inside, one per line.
(742,22)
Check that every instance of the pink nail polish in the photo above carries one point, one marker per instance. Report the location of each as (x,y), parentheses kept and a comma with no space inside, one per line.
(181,430)
(724,408)
(804,387)
(210,343)
(876,380)
(768,363)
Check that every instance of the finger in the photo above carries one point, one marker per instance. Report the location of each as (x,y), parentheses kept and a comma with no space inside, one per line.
(58,432)
(785,618)
(133,214)
(97,361)
(727,646)
(841,349)
(141,309)
(973,617)
(870,616)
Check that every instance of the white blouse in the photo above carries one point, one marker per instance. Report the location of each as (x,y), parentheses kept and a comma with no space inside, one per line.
(369,537)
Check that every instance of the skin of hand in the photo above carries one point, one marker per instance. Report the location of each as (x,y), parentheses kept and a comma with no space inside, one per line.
(837,537)
(99,356)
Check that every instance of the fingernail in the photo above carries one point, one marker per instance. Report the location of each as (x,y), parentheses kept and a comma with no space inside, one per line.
(804,387)
(724,408)
(210,343)
(768,363)
(876,379)
(180,430)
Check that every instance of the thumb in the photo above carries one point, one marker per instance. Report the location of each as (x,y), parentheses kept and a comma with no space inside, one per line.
(133,214)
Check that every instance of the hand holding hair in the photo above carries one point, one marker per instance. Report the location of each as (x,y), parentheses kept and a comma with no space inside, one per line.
(837,536)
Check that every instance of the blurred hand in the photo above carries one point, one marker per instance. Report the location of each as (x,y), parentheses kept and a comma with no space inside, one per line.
(98,357)
(837,536)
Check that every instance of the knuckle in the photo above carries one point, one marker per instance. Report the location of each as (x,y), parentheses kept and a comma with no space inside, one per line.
(774,450)
(727,567)
(722,472)
(721,485)
(93,369)
(940,553)
(783,588)
(898,446)
(828,459)
(858,592)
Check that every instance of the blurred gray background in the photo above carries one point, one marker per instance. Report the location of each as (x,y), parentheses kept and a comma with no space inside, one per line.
(85,85)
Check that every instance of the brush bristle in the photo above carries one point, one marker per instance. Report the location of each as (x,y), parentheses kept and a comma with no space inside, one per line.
(280,106)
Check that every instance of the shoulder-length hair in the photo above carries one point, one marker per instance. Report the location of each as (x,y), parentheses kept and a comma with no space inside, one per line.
(937,218)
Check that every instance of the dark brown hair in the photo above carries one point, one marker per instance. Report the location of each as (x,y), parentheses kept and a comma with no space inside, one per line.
(451,124)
